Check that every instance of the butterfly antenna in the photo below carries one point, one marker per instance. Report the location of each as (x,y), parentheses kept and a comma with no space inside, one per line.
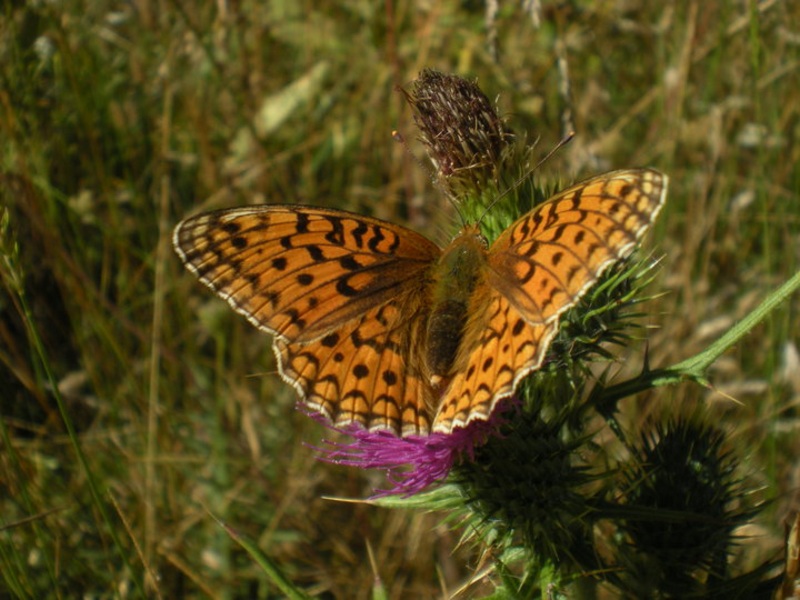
(524,177)
(399,137)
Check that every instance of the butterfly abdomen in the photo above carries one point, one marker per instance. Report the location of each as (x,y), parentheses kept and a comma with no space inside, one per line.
(456,275)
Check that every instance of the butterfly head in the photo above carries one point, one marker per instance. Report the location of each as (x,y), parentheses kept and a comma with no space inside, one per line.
(471,234)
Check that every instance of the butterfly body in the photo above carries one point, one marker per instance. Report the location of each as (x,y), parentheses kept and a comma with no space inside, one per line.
(375,324)
(455,276)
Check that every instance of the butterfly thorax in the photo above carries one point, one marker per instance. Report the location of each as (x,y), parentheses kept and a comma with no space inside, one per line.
(455,277)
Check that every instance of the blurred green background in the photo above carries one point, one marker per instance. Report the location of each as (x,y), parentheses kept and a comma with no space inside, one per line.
(119,119)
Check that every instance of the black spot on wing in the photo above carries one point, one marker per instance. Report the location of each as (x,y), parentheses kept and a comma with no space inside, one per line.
(330,340)
(231,227)
(350,263)
(359,232)
(302,223)
(273,297)
(344,288)
(295,319)
(315,252)
(518,327)
(336,234)
(376,238)
(235,265)
(559,232)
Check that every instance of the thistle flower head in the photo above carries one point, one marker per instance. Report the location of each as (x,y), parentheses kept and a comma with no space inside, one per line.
(524,485)
(683,502)
(412,463)
(465,139)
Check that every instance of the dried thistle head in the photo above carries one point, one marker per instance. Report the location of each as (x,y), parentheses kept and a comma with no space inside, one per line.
(462,133)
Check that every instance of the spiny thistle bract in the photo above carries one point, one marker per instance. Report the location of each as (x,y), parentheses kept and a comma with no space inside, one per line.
(682,501)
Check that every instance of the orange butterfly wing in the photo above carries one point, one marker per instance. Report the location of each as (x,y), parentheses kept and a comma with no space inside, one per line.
(538,268)
(507,349)
(299,272)
(548,258)
(343,294)
(369,371)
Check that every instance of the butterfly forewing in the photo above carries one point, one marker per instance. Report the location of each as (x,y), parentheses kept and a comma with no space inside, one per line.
(547,259)
(300,272)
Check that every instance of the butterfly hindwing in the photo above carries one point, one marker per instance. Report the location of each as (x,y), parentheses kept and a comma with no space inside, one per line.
(368,371)
(506,350)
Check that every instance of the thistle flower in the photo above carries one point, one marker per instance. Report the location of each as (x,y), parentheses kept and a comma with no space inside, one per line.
(464,137)
(412,463)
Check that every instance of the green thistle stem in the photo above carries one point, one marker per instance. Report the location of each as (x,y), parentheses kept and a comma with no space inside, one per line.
(694,368)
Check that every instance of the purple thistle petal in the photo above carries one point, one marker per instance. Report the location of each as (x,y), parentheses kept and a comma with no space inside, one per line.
(414,462)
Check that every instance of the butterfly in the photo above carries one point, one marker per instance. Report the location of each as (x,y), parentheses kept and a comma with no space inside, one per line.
(377,325)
